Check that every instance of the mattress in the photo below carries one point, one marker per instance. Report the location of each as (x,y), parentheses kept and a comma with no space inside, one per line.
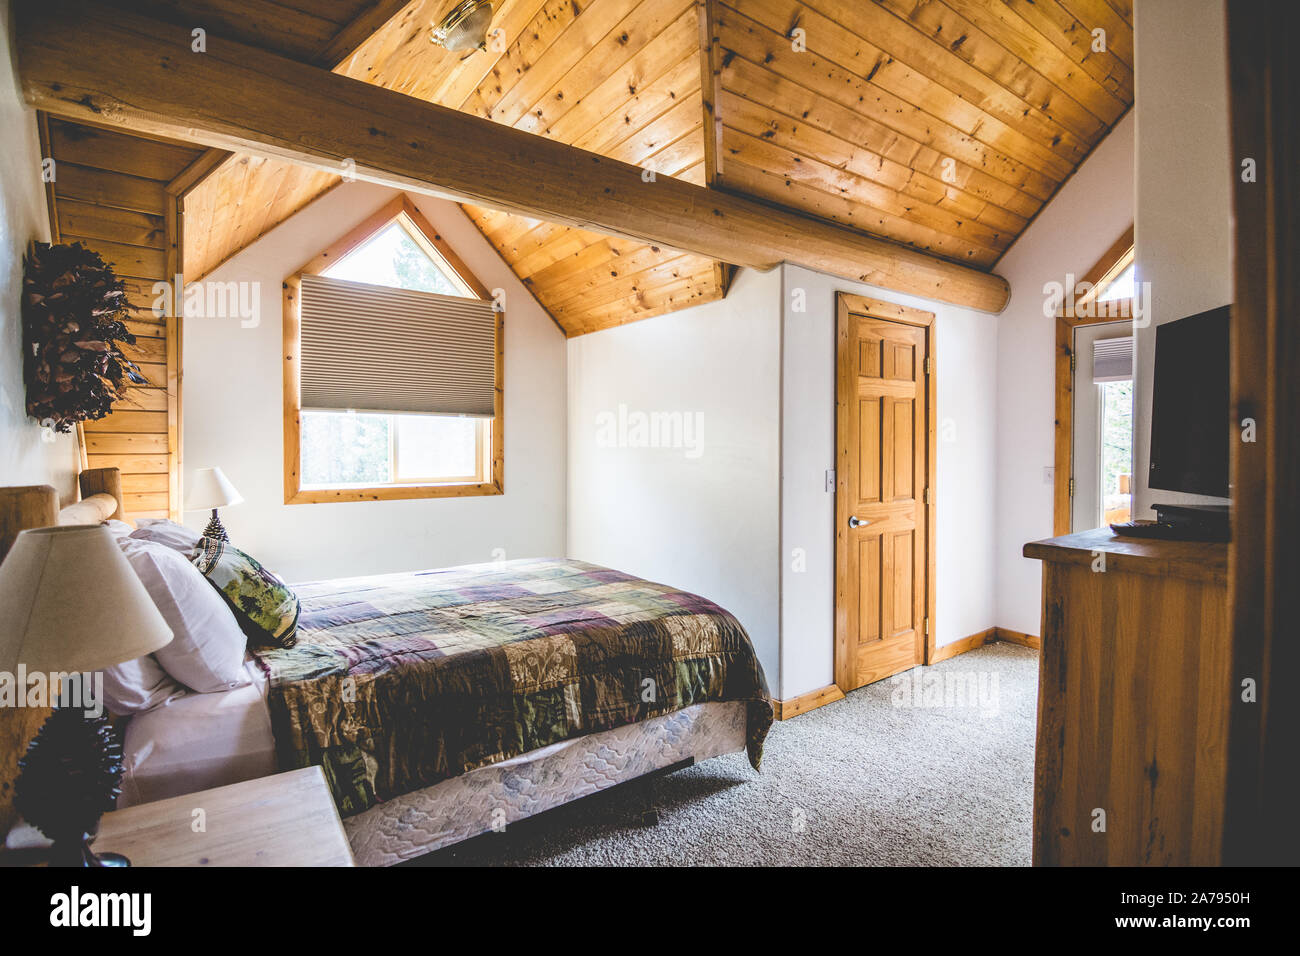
(492,797)
(199,741)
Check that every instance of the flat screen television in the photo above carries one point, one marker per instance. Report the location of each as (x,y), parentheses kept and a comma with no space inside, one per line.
(1189,405)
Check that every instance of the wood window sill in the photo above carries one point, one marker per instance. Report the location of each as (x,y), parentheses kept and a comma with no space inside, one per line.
(319,496)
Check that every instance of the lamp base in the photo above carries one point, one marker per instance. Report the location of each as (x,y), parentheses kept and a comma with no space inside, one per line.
(77,853)
(69,776)
(215,528)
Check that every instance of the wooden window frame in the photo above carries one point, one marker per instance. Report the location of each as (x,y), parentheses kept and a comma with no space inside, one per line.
(1115,260)
(846,303)
(294,492)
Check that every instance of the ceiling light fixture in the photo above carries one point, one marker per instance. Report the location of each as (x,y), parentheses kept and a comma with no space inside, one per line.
(465,28)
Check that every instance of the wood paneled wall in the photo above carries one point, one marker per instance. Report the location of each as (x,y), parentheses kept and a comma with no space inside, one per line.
(114,193)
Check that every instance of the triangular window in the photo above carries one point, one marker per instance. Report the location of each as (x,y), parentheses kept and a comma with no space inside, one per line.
(401,256)
(1120,287)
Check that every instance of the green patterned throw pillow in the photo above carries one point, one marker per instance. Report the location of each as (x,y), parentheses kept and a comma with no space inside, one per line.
(266,609)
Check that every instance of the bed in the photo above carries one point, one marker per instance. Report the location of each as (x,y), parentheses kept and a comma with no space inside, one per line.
(447,703)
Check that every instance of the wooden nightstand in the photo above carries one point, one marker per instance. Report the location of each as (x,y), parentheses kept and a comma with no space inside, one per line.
(287,819)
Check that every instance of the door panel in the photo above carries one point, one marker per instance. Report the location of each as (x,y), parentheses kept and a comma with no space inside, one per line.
(904,439)
(869,467)
(883,454)
(902,365)
(902,572)
(871,360)
(869,603)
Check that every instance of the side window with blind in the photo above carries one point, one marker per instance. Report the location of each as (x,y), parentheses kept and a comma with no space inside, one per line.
(393,367)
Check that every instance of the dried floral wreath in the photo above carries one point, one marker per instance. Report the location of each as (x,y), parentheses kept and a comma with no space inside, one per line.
(74,309)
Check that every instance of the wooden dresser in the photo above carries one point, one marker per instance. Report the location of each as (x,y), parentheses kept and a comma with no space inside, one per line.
(1135,686)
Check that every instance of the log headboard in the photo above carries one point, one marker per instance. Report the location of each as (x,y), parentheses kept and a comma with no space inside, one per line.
(37,506)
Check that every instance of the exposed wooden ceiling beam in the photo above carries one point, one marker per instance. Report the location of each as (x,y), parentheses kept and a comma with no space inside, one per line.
(239,97)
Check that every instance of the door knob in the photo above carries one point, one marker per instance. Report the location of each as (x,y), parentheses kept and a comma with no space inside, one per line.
(856,522)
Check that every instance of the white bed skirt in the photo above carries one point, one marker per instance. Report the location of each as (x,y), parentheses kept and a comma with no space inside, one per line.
(503,793)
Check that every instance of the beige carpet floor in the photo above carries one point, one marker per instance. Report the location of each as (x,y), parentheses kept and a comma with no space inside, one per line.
(932,770)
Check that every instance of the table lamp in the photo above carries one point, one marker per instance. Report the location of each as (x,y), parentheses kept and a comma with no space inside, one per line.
(209,489)
(70,602)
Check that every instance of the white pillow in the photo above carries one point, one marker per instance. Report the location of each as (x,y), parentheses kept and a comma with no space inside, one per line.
(169,533)
(137,686)
(206,652)
(118,529)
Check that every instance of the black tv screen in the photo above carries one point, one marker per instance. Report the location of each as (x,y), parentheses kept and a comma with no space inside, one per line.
(1189,405)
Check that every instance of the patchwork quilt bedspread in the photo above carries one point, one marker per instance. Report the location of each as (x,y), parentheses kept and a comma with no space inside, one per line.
(402,680)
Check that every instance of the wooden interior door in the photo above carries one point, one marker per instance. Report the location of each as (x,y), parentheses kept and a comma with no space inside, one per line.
(883,463)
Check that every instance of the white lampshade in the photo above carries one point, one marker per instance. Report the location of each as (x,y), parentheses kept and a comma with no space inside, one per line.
(209,489)
(70,601)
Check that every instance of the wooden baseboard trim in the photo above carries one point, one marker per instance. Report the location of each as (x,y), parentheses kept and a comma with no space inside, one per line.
(785,709)
(1018,637)
(962,645)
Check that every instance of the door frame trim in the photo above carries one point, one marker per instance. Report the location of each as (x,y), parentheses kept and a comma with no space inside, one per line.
(1112,262)
(847,304)
(1063,457)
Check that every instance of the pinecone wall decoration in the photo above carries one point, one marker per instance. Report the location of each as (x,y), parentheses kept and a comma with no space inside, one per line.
(74,309)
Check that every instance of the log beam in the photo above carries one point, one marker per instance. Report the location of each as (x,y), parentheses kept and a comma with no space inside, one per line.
(92,62)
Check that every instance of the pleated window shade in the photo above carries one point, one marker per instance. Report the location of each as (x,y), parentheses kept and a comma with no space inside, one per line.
(1112,359)
(380,349)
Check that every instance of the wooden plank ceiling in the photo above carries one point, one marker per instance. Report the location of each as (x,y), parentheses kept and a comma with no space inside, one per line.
(942,124)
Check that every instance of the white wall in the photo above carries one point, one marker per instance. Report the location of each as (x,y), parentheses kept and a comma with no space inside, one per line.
(965,345)
(1071,233)
(27,456)
(233,414)
(1184,189)
(706,524)
(725,524)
